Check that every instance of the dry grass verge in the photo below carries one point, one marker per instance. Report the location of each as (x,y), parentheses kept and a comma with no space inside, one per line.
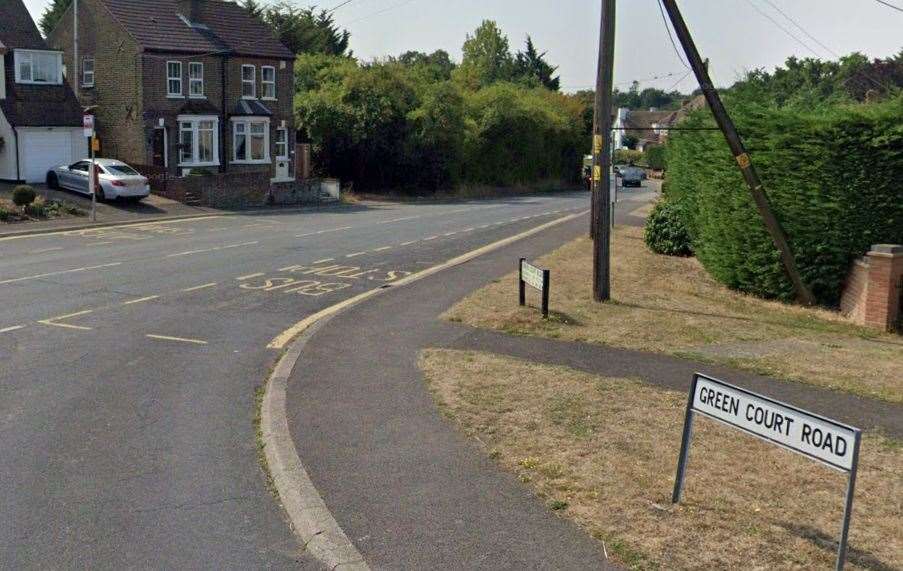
(671,305)
(603,452)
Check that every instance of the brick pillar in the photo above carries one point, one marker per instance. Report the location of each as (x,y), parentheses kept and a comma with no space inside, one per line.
(885,273)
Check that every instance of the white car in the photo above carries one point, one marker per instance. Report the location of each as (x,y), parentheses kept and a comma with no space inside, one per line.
(116,179)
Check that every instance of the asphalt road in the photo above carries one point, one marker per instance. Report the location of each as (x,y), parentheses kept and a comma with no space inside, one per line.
(129,359)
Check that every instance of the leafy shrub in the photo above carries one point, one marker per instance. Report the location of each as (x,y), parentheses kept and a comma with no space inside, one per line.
(5,214)
(655,157)
(37,209)
(832,174)
(666,232)
(23,195)
(626,156)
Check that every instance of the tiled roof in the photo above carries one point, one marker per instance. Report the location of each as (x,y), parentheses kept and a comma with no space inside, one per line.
(221,26)
(31,105)
(39,105)
(18,30)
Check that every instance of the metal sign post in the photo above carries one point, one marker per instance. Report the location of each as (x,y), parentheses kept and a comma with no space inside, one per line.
(821,439)
(537,278)
(88,124)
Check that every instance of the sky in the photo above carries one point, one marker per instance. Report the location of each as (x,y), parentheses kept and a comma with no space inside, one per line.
(736,35)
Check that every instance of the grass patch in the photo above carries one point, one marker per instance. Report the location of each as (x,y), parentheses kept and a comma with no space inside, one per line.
(603,452)
(671,305)
(259,394)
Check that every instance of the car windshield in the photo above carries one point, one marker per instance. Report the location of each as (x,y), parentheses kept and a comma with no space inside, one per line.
(125,170)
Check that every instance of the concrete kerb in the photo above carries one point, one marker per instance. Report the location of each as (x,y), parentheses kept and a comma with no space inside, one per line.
(310,518)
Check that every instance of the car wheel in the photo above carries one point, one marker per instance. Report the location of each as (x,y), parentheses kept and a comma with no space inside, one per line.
(52,181)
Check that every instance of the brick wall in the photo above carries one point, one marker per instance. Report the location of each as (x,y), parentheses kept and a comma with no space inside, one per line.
(871,296)
(117,78)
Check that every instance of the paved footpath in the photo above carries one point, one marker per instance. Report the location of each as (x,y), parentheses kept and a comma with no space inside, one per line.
(406,487)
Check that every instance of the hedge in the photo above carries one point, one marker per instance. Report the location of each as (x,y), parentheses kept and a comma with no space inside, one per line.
(833,176)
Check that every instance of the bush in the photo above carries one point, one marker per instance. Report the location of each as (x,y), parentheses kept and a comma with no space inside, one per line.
(832,174)
(655,157)
(666,232)
(626,156)
(5,214)
(23,195)
(37,209)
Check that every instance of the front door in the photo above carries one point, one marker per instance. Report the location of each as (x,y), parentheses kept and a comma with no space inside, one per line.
(282,159)
(158,148)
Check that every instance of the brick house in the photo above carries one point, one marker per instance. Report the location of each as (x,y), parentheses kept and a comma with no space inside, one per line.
(40,118)
(183,85)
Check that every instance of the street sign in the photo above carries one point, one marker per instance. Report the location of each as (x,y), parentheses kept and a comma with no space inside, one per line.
(88,125)
(821,439)
(537,278)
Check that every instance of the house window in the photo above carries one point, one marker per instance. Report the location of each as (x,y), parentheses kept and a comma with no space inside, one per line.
(282,143)
(39,67)
(196,79)
(88,71)
(174,79)
(198,141)
(268,82)
(248,81)
(251,141)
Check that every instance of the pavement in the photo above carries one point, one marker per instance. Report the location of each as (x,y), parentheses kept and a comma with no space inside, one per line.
(404,485)
(150,209)
(130,358)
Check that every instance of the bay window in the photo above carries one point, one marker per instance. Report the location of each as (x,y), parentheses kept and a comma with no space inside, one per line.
(198,141)
(250,140)
(42,67)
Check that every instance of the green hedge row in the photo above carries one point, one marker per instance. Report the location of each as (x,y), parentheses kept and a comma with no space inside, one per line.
(834,176)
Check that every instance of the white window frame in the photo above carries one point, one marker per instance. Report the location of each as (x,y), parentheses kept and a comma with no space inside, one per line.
(21,55)
(247,122)
(282,156)
(86,82)
(172,78)
(193,122)
(252,82)
(192,81)
(265,83)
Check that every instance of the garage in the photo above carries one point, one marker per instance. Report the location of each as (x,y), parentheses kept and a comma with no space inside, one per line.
(43,150)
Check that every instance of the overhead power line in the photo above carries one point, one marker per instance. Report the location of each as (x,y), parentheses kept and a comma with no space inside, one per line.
(343,4)
(671,36)
(379,12)
(889,5)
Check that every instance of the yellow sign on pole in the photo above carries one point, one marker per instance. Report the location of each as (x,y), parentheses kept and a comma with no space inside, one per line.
(597,173)
(597,144)
(95,144)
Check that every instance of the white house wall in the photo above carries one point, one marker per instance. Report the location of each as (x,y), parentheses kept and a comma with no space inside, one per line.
(8,153)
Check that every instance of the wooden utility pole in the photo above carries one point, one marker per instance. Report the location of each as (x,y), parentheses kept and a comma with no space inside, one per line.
(602,148)
(778,236)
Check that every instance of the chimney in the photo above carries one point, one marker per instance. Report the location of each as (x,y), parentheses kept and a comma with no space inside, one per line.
(191,9)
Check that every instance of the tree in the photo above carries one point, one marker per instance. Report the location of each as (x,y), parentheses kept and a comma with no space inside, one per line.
(254,8)
(487,56)
(437,65)
(303,30)
(53,14)
(531,64)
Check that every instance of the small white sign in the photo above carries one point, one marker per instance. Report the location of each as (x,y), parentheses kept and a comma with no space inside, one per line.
(88,125)
(813,436)
(532,275)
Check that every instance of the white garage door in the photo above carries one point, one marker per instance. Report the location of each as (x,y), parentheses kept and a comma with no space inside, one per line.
(43,151)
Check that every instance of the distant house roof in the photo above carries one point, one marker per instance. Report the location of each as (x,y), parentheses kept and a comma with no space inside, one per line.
(641,124)
(159,25)
(31,105)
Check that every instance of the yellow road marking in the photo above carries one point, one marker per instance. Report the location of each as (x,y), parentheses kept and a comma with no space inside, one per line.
(200,287)
(383,249)
(113,227)
(249,276)
(430,238)
(53,321)
(356,254)
(178,339)
(450,234)
(141,300)
(408,243)
(13,328)
(284,338)
(61,272)
(323,261)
